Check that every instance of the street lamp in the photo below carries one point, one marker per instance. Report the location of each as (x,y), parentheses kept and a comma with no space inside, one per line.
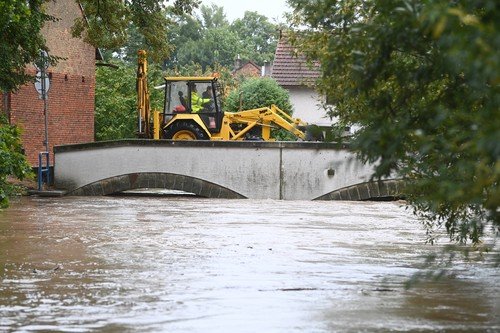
(42,85)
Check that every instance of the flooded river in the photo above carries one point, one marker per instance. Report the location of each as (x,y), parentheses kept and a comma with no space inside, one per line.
(160,264)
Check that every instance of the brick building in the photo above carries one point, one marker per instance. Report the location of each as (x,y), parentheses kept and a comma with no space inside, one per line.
(72,89)
(247,69)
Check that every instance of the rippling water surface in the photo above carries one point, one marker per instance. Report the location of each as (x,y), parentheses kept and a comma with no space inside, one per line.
(135,264)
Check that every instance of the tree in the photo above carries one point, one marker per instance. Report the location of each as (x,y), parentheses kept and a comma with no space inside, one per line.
(258,35)
(204,40)
(116,98)
(421,79)
(216,45)
(115,116)
(255,93)
(258,92)
(209,38)
(21,40)
(213,17)
(12,160)
(106,23)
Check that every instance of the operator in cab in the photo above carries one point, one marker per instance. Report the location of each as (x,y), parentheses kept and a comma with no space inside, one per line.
(197,102)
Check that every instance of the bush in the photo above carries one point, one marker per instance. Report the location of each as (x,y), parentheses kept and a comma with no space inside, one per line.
(255,93)
(12,160)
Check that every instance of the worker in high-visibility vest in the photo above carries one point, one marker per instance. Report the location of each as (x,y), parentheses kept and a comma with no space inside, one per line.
(197,102)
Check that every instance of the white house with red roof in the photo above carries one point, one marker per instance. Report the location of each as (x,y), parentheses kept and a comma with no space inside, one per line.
(295,74)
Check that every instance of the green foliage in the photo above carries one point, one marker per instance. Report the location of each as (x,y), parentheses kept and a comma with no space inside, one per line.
(116,98)
(213,17)
(217,45)
(106,23)
(421,79)
(210,39)
(258,35)
(204,40)
(20,24)
(12,160)
(255,93)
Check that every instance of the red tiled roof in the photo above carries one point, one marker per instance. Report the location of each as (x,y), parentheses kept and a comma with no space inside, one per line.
(247,64)
(249,68)
(292,69)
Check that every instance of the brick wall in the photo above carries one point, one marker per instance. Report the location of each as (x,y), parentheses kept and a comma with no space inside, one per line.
(70,106)
(72,89)
(80,56)
(248,70)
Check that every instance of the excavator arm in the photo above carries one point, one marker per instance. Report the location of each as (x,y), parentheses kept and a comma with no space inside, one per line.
(143,103)
(148,121)
(266,118)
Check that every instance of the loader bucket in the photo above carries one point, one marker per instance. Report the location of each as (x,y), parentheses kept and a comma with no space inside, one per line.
(314,133)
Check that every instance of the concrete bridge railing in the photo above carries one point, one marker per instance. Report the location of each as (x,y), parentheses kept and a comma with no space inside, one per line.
(258,170)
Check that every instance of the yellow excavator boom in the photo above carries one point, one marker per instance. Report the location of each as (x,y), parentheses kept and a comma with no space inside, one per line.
(143,103)
(266,118)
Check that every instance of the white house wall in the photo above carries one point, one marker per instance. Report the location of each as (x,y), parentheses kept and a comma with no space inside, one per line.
(307,106)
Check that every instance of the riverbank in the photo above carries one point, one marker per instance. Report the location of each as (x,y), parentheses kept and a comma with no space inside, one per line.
(24,185)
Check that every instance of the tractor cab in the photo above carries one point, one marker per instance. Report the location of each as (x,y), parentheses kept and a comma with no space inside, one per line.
(193,98)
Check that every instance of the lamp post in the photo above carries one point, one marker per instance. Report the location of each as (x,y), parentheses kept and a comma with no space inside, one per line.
(42,85)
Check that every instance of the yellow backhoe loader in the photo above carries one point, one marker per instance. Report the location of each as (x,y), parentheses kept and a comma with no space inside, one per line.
(192,111)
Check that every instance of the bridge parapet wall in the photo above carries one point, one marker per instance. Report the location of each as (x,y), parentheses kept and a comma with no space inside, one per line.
(248,169)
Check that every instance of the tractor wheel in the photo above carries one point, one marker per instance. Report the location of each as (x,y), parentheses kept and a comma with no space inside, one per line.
(185,130)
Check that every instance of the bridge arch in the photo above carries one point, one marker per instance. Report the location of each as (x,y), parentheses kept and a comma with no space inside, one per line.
(374,190)
(159,180)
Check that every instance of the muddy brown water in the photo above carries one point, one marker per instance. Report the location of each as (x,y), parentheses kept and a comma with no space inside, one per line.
(162,264)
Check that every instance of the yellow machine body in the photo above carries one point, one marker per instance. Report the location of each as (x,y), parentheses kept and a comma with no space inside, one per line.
(192,115)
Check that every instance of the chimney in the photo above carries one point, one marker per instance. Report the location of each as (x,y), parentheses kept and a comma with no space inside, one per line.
(266,69)
(237,62)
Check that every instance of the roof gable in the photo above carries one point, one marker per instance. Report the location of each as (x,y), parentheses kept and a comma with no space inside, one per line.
(249,64)
(249,68)
(291,68)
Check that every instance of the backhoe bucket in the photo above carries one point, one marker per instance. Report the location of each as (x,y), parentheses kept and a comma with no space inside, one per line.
(314,133)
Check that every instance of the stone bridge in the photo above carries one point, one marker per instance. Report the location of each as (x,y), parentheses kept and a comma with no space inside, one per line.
(219,169)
